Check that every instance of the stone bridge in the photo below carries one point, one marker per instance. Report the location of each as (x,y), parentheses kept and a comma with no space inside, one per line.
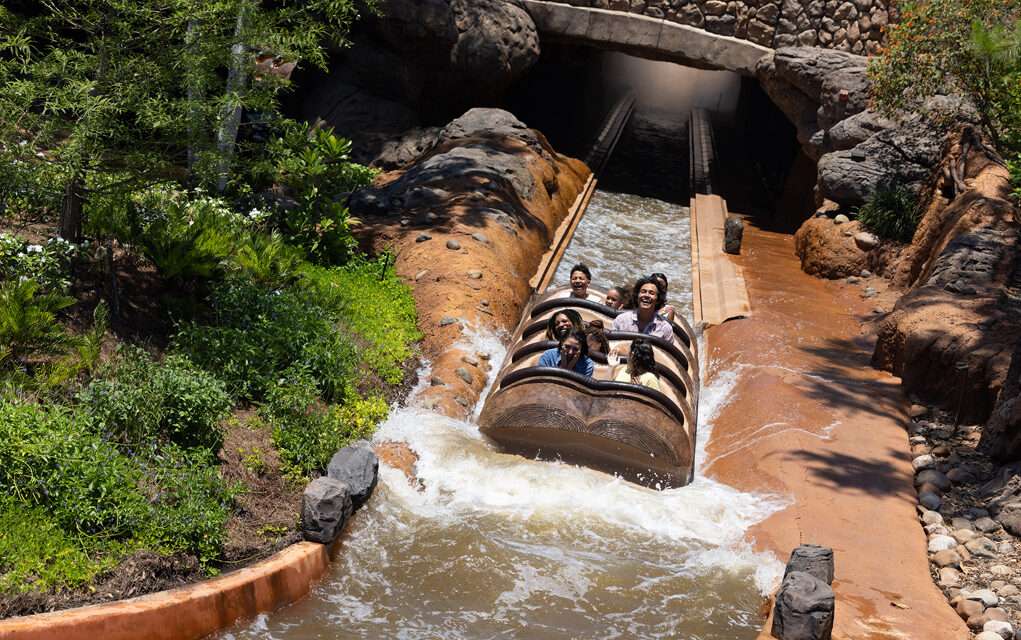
(714,34)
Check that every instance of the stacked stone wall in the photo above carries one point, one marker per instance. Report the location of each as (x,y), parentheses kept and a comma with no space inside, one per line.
(845,25)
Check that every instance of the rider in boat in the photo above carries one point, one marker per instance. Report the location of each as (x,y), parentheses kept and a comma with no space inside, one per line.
(595,333)
(616,297)
(667,311)
(572,354)
(581,277)
(563,322)
(648,299)
(640,367)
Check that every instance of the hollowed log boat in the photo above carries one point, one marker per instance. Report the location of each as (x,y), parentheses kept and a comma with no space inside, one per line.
(641,434)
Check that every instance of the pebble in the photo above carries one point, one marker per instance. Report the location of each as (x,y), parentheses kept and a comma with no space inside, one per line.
(470,360)
(921,463)
(957,522)
(1000,627)
(957,475)
(453,245)
(437,382)
(1008,590)
(941,543)
(865,273)
(996,584)
(976,622)
(947,558)
(967,608)
(853,280)
(949,577)
(932,476)
(480,237)
(840,219)
(942,451)
(447,320)
(462,401)
(985,596)
(975,513)
(866,241)
(431,217)
(986,524)
(988,635)
(422,237)
(1000,570)
(996,613)
(918,410)
(405,222)
(917,440)
(963,535)
(483,355)
(463,374)
(936,530)
(1005,547)
(931,517)
(421,274)
(484,302)
(930,500)
(982,547)
(475,275)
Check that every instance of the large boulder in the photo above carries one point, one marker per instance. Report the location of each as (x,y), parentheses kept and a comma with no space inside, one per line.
(357,467)
(813,559)
(803,609)
(325,508)
(828,250)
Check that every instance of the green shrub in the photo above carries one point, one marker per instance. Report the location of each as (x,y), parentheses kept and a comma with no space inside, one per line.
(891,212)
(255,334)
(36,554)
(50,458)
(306,431)
(28,322)
(268,259)
(49,263)
(190,504)
(144,403)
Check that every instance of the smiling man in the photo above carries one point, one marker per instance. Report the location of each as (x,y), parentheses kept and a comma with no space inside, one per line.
(644,318)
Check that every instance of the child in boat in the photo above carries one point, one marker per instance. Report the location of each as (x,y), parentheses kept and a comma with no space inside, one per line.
(667,311)
(640,367)
(562,323)
(616,297)
(572,354)
(581,278)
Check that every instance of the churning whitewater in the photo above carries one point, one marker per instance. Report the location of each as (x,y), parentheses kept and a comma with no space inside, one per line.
(489,545)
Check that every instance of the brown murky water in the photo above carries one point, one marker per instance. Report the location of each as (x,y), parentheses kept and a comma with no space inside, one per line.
(497,546)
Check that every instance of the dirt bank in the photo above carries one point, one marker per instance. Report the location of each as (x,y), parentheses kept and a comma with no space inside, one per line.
(811,420)
(469,221)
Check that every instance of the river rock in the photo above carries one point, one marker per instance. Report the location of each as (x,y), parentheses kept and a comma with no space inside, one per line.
(986,525)
(930,500)
(812,559)
(357,467)
(932,517)
(947,558)
(957,522)
(941,543)
(1001,570)
(453,245)
(963,535)
(1008,590)
(803,609)
(936,530)
(949,578)
(840,219)
(325,508)
(1000,627)
(933,477)
(989,635)
(921,463)
(967,608)
(985,596)
(959,475)
(866,241)
(733,232)
(422,237)
(464,374)
(997,613)
(982,547)
(917,410)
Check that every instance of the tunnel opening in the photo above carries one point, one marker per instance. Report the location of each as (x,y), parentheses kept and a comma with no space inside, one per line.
(760,169)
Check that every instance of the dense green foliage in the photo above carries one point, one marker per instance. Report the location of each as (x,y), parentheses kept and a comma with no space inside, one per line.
(141,402)
(969,46)
(891,212)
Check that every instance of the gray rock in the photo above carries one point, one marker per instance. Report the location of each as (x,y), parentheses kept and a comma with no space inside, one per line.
(947,558)
(732,235)
(982,547)
(480,237)
(803,609)
(852,131)
(422,237)
(930,500)
(985,596)
(812,559)
(1008,590)
(949,578)
(453,245)
(1001,570)
(958,522)
(412,145)
(463,374)
(446,321)
(986,525)
(866,241)
(840,219)
(988,635)
(325,508)
(1001,628)
(475,274)
(941,543)
(958,475)
(932,517)
(931,476)
(963,535)
(358,468)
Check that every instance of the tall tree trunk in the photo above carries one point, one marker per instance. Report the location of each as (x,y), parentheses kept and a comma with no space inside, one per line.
(71,211)
(230,116)
(194,94)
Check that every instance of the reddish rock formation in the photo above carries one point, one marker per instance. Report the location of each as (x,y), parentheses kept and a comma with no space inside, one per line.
(828,250)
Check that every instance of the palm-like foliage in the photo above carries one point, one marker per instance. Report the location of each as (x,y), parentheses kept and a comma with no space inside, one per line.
(28,322)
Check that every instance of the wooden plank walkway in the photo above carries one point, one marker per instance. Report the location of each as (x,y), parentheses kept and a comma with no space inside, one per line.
(718,288)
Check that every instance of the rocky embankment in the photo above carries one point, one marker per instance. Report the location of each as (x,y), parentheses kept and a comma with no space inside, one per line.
(468,221)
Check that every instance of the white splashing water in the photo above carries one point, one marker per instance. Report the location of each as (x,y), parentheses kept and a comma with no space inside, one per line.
(495,545)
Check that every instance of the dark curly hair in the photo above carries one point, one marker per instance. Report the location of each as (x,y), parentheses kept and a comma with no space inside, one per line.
(595,331)
(572,315)
(661,276)
(584,269)
(582,341)
(641,359)
(660,294)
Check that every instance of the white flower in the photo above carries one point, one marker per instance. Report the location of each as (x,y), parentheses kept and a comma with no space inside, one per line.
(34,248)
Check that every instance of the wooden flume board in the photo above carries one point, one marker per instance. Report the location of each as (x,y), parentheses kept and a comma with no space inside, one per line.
(718,287)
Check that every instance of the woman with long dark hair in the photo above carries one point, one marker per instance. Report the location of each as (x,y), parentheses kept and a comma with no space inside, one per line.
(640,367)
(563,322)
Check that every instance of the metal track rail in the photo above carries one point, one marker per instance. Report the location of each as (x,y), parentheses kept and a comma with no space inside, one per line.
(702,152)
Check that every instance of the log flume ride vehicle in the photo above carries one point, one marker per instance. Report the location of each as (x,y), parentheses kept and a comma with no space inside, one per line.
(641,434)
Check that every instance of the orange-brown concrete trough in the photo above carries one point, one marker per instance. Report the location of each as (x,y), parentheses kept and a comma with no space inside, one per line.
(193,611)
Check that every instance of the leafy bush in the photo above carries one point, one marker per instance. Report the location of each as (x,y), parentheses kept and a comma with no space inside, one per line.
(28,322)
(51,458)
(144,403)
(255,334)
(891,212)
(314,167)
(49,264)
(370,300)
(924,56)
(306,431)
(190,504)
(37,554)
(268,259)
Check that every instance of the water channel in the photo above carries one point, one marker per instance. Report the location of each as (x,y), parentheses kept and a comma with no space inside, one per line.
(497,546)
